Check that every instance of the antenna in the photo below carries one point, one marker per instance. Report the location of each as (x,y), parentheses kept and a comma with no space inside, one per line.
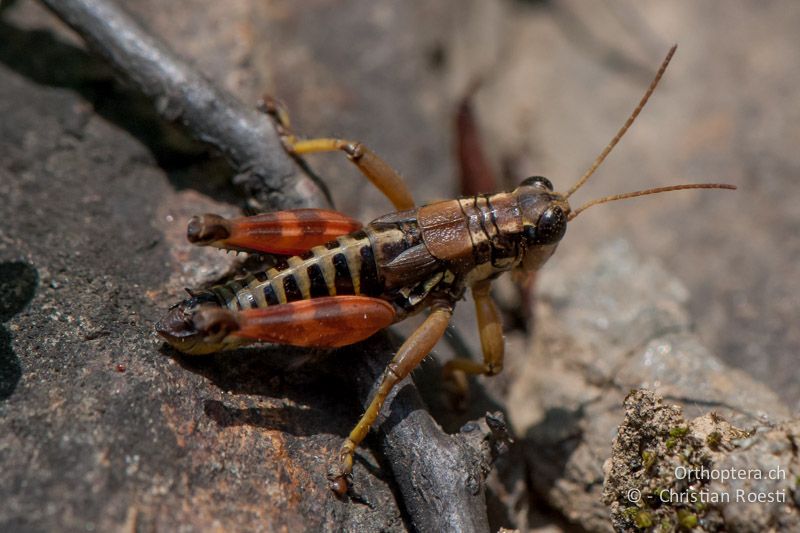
(645,192)
(624,128)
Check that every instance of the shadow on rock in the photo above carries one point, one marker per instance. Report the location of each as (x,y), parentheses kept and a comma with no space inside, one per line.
(553,440)
(314,396)
(18,282)
(300,422)
(258,370)
(55,63)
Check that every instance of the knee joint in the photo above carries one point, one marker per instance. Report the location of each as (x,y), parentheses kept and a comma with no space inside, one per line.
(354,150)
(492,369)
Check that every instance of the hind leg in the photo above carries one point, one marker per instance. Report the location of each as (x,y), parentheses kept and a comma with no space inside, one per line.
(290,232)
(326,322)
(410,354)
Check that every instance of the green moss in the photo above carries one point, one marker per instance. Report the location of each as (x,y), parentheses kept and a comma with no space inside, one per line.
(648,459)
(671,442)
(630,513)
(643,519)
(687,519)
(679,432)
(714,439)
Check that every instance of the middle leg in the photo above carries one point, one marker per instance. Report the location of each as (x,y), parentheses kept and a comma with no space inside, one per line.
(490,328)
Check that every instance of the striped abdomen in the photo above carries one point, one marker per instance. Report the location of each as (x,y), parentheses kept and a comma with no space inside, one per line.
(341,267)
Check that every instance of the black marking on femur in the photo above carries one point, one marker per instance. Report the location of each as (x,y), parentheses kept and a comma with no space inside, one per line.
(308,254)
(332,245)
(537,181)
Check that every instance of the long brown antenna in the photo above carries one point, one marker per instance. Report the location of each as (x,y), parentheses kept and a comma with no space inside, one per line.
(645,192)
(628,123)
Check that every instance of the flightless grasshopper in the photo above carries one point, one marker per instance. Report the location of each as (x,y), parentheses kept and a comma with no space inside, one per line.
(342,282)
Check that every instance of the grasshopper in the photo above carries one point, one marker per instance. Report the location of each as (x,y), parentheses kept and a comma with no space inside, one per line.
(342,282)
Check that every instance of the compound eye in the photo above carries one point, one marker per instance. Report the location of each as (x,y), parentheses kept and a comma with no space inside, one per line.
(529,233)
(551,226)
(537,181)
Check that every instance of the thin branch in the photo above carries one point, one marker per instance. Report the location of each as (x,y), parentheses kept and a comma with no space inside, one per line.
(245,136)
(440,476)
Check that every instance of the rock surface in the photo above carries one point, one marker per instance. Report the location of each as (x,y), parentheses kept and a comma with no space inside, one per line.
(101,429)
(619,326)
(703,475)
